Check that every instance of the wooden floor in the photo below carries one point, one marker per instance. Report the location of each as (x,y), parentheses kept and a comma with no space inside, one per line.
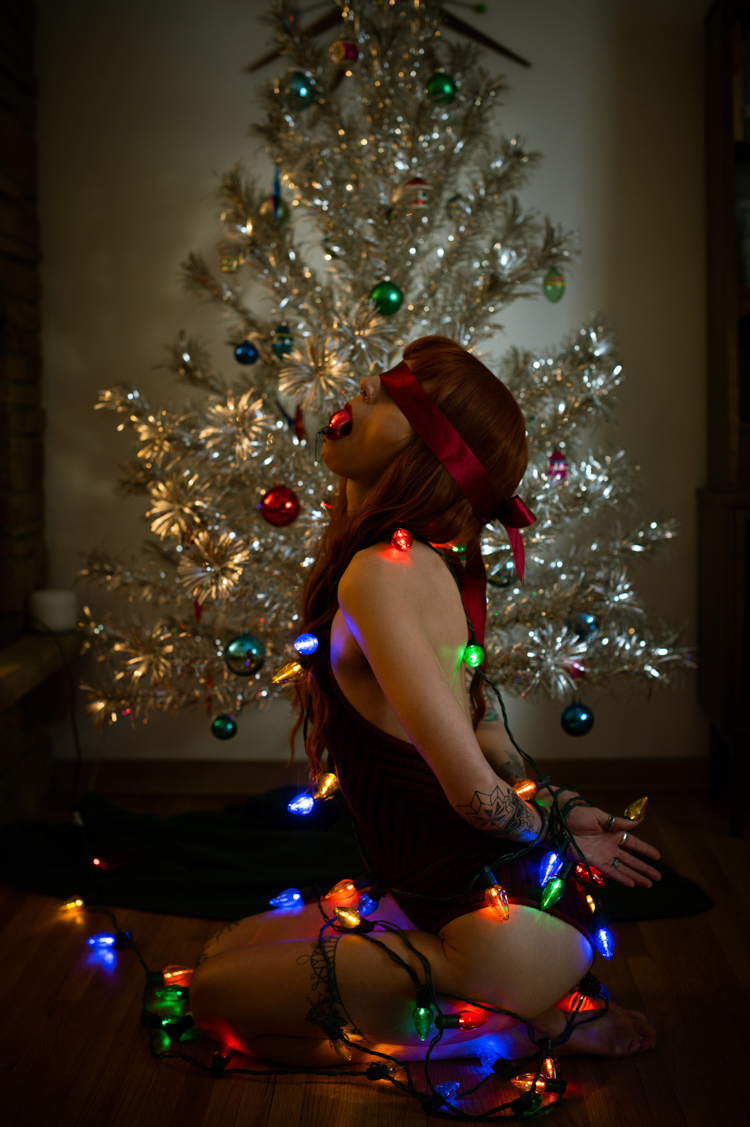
(73,1053)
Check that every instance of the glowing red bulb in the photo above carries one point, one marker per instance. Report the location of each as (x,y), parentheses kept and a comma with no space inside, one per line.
(472,1019)
(402,539)
(340,424)
(583,873)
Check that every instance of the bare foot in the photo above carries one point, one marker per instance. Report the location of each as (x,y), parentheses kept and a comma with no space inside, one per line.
(620,1033)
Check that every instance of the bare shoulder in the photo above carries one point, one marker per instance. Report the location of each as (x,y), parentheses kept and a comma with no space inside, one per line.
(385,574)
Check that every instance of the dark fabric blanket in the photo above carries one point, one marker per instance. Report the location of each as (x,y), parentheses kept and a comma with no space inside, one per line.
(225,864)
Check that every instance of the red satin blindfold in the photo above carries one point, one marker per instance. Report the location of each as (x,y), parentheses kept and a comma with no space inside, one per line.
(442,438)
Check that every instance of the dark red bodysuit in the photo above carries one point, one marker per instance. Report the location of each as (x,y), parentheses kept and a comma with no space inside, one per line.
(419,845)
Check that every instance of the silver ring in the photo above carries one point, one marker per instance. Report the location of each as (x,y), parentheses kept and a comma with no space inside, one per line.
(616,862)
(622,840)
(609,824)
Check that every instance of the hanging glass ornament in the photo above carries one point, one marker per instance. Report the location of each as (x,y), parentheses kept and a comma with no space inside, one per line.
(553,284)
(577,719)
(279,506)
(244,655)
(246,352)
(387,297)
(343,51)
(301,91)
(558,466)
(224,727)
(441,88)
(282,341)
(584,625)
(274,209)
(504,575)
(414,192)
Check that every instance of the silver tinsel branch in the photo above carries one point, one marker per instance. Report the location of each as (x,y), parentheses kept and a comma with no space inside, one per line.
(390,185)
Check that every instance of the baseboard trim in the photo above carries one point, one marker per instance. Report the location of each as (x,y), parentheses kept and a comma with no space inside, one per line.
(231,776)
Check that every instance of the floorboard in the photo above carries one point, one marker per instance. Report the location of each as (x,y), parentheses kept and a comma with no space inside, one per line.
(72,1052)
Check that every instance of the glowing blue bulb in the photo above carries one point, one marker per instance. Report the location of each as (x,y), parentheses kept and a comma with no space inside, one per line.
(102,939)
(366,905)
(302,804)
(550,867)
(289,898)
(605,942)
(306,644)
(448,1091)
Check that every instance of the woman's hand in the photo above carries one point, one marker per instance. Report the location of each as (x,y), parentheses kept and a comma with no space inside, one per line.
(601,847)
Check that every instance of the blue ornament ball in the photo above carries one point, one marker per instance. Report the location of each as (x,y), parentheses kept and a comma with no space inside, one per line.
(244,655)
(577,719)
(301,91)
(224,727)
(246,352)
(584,625)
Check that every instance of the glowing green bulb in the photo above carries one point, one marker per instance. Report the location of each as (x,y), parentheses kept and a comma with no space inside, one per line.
(552,892)
(422,1018)
(473,656)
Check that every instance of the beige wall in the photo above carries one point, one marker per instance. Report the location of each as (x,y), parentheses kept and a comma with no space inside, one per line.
(142,101)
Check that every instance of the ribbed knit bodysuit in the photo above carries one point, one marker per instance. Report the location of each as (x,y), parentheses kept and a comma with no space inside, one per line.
(419,845)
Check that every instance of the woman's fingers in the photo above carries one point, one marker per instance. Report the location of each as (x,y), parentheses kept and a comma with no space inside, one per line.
(641,846)
(639,866)
(625,874)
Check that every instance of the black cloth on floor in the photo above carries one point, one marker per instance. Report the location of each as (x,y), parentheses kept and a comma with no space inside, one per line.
(226,864)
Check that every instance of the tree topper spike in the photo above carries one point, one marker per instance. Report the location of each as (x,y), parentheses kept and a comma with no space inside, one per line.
(453,23)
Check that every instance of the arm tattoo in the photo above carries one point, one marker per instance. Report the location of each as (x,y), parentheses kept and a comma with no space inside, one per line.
(502,813)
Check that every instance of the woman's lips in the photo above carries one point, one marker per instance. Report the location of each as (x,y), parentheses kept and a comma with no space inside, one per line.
(340,423)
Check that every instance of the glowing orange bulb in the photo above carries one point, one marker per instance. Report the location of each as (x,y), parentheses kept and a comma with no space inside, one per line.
(525,789)
(342,1049)
(343,888)
(348,917)
(71,904)
(402,539)
(526,1079)
(327,786)
(590,902)
(569,1003)
(177,976)
(549,1068)
(497,899)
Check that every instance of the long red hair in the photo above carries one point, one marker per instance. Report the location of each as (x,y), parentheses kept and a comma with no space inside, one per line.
(417,493)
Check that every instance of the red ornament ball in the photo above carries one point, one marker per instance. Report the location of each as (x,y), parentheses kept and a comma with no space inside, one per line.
(402,539)
(280,506)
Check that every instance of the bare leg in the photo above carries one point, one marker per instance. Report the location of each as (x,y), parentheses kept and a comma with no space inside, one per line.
(258,996)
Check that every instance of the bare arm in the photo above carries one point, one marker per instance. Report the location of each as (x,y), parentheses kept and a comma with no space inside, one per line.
(384,602)
(505,760)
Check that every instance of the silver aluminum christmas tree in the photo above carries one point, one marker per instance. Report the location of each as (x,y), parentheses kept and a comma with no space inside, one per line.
(387,161)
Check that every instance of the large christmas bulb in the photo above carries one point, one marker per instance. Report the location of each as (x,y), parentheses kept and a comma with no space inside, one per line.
(495,896)
(366,905)
(305,644)
(289,674)
(102,939)
(449,1090)
(472,1019)
(604,942)
(289,898)
(636,812)
(422,1018)
(175,975)
(550,867)
(302,804)
(402,539)
(525,789)
(71,905)
(555,886)
(473,655)
(343,887)
(351,920)
(326,787)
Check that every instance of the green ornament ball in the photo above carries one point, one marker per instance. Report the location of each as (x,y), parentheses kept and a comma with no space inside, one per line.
(387,297)
(282,341)
(301,91)
(224,727)
(553,284)
(441,88)
(282,211)
(244,655)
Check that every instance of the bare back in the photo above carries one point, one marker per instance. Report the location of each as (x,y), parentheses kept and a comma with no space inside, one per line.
(434,598)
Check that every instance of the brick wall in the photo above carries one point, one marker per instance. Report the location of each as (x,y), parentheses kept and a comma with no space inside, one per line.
(22,556)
